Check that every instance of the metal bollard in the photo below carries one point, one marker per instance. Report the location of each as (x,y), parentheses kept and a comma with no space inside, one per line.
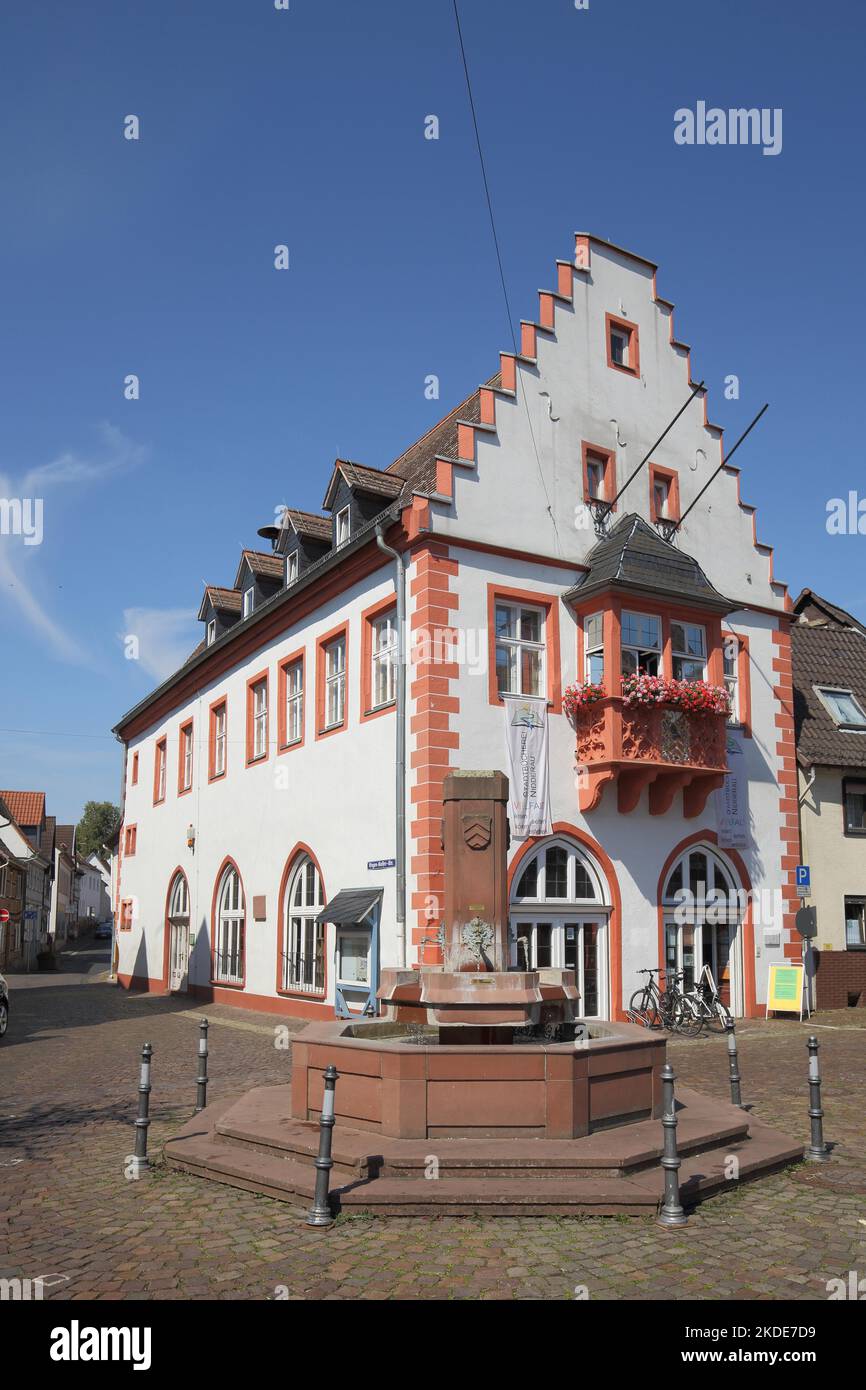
(320,1212)
(140,1162)
(671,1213)
(817,1152)
(733,1064)
(201,1080)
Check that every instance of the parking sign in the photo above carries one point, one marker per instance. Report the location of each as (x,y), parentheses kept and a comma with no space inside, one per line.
(803,880)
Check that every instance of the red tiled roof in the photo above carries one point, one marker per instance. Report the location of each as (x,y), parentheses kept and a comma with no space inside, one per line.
(28,808)
(309,524)
(269,566)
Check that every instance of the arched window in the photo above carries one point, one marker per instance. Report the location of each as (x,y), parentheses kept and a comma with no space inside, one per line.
(229,929)
(178,900)
(559,912)
(304,937)
(703,906)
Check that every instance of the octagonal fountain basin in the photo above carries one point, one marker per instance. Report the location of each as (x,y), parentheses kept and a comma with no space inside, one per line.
(401,1080)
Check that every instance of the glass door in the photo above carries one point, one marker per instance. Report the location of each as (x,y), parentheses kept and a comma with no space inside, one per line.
(567,943)
(179,958)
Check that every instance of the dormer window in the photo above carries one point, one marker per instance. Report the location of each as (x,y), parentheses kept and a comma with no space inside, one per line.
(843,707)
(211,632)
(343,526)
(291,568)
(249,601)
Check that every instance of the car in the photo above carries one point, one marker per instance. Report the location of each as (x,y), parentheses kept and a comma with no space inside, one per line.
(4,1006)
(103,931)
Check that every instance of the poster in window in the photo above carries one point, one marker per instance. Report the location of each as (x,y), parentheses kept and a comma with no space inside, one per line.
(526,747)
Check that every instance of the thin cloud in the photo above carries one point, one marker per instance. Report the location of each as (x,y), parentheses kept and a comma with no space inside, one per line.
(164,637)
(119,455)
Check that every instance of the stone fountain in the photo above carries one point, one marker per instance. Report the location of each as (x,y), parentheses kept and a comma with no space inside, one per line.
(484,1070)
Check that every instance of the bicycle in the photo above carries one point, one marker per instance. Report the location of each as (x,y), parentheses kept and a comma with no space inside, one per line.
(653,1007)
(705,1004)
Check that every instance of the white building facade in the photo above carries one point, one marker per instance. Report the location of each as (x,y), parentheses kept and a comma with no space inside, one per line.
(263,777)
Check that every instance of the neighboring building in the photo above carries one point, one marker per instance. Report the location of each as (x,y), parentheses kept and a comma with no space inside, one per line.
(260,777)
(27,809)
(94,902)
(64,904)
(14,855)
(829,654)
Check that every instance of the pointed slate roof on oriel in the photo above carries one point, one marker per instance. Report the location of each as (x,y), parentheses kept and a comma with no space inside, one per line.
(634,557)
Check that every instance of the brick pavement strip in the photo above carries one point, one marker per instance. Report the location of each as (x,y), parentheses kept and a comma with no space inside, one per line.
(67,1101)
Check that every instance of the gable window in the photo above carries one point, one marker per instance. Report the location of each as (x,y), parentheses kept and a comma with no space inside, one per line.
(130,836)
(159,762)
(519,649)
(688,651)
(257,718)
(732,680)
(335,683)
(134,778)
(854,796)
(843,707)
(228,962)
(211,632)
(184,759)
(664,494)
(383,660)
(249,600)
(343,526)
(855,924)
(622,345)
(291,567)
(218,740)
(304,950)
(641,641)
(599,474)
(593,651)
(292,702)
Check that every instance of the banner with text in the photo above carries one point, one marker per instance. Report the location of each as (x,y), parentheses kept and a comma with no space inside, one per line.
(527,765)
(732,799)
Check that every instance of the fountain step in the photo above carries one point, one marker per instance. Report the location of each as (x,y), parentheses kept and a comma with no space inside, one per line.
(250,1144)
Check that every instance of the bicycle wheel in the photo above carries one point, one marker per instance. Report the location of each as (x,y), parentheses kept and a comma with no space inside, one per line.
(642,1009)
(721,1018)
(686,1019)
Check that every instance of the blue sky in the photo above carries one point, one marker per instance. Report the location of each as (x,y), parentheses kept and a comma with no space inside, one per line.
(305,127)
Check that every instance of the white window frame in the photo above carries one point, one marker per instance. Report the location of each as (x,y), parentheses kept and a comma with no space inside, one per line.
(637,650)
(291,568)
(383,659)
(335,683)
(161,764)
(230,944)
(593,651)
(515,646)
(859,905)
(220,739)
(249,600)
(624,335)
(686,656)
(663,485)
(302,972)
(343,526)
(211,632)
(260,718)
(356,936)
(294,694)
(731,667)
(825,694)
(186,757)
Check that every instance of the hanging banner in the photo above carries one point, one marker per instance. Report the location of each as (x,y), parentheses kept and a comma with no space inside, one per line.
(526,747)
(732,799)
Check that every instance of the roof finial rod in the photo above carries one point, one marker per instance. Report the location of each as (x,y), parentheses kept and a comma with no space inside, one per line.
(648,455)
(723,463)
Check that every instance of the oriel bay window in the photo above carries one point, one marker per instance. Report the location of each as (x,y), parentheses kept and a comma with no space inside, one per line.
(593,638)
(641,644)
(688,652)
(228,948)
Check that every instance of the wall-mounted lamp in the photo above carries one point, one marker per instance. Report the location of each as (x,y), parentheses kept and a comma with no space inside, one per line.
(190,836)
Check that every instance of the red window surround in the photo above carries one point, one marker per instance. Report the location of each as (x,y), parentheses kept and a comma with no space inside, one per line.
(324,641)
(213,711)
(160,770)
(134,778)
(629,331)
(550,604)
(744,679)
(671,477)
(184,745)
(594,453)
(283,745)
(368,617)
(130,837)
(254,681)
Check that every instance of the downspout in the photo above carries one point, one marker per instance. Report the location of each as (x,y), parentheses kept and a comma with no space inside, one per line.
(400,770)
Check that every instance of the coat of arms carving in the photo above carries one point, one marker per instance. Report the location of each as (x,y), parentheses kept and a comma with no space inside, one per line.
(477,831)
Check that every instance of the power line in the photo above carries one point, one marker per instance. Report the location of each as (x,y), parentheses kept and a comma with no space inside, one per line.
(499,258)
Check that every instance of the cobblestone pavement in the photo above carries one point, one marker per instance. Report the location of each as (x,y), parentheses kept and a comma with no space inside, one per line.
(68,1079)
